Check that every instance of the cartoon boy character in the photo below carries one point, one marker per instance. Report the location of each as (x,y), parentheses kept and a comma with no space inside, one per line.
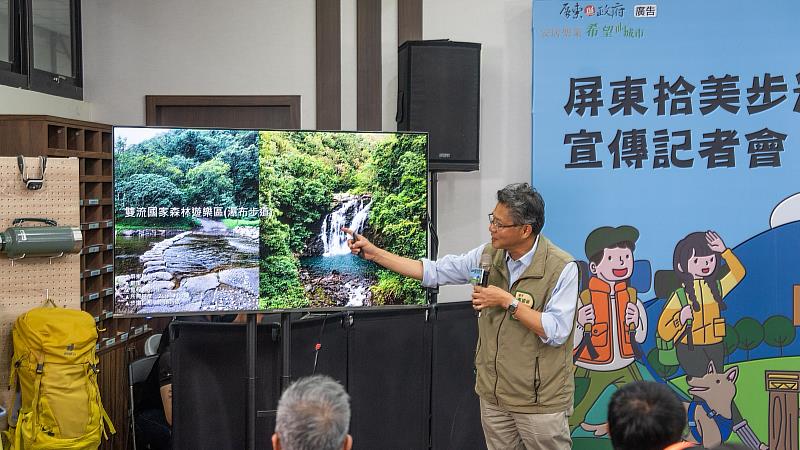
(611,322)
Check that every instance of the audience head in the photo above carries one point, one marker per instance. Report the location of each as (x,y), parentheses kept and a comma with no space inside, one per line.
(313,414)
(645,415)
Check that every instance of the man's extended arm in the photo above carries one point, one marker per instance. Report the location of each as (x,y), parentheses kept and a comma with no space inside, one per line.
(396,263)
(449,269)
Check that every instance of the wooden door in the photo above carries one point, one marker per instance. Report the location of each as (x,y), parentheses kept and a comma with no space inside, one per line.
(266,112)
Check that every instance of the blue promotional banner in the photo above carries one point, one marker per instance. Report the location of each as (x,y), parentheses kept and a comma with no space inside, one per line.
(665,142)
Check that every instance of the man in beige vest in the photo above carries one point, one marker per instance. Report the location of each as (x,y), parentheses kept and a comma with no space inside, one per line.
(525,322)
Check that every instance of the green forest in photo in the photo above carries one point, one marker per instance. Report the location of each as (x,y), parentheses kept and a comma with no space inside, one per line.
(187,220)
(185,168)
(300,174)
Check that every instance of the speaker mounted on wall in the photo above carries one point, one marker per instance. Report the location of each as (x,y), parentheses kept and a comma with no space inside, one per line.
(439,92)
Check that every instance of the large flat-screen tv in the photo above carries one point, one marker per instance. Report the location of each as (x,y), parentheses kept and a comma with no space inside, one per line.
(220,221)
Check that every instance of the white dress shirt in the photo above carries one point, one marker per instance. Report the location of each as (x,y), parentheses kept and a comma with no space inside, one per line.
(559,313)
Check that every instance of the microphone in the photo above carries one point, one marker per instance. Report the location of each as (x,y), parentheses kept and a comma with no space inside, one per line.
(480,275)
(486,267)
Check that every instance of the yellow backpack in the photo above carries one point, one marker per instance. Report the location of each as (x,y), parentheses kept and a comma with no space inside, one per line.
(56,366)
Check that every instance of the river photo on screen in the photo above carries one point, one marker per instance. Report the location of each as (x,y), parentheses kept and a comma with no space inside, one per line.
(186,220)
(313,183)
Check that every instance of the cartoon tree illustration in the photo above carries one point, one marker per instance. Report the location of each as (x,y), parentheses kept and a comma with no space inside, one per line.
(661,370)
(751,334)
(731,340)
(779,332)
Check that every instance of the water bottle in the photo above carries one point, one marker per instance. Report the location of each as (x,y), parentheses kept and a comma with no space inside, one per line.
(47,241)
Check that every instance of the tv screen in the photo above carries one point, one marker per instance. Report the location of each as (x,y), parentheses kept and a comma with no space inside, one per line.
(221,221)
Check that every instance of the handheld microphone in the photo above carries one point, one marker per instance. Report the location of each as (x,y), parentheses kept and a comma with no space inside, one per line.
(480,276)
(486,268)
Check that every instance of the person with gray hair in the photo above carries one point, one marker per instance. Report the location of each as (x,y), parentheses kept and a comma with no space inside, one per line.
(313,414)
(526,311)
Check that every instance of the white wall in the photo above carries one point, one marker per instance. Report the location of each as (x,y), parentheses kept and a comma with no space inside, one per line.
(196,47)
(465,199)
(21,101)
(256,47)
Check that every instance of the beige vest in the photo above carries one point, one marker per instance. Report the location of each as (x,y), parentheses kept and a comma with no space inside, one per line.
(515,369)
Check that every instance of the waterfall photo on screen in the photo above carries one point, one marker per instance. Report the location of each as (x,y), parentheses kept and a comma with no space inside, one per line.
(311,184)
(186,220)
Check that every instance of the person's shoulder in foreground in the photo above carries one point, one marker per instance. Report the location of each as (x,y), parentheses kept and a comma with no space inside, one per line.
(313,414)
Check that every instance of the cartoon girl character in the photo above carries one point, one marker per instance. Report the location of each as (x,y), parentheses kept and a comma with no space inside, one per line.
(692,316)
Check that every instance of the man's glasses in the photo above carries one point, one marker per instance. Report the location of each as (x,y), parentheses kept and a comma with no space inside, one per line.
(494,223)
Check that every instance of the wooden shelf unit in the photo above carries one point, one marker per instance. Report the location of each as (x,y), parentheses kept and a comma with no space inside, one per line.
(120,340)
(92,143)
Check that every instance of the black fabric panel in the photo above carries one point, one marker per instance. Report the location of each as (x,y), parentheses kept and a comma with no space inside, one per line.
(456,420)
(383,359)
(327,330)
(210,385)
(389,379)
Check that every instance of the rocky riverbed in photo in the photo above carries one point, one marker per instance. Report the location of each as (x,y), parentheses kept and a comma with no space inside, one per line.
(207,269)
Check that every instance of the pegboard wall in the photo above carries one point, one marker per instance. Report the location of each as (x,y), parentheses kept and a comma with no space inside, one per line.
(28,282)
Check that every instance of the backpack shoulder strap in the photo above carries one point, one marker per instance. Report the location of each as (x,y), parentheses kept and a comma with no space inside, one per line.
(586,297)
(632,294)
(692,422)
(681,293)
(105,422)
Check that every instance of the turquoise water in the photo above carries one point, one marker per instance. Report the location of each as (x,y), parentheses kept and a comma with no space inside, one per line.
(345,264)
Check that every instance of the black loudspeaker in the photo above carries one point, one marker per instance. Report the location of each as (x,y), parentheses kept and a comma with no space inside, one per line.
(438,86)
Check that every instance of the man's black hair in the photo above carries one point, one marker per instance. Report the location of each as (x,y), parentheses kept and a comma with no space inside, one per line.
(645,415)
(525,205)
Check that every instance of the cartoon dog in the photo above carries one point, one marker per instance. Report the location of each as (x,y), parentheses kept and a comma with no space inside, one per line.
(710,412)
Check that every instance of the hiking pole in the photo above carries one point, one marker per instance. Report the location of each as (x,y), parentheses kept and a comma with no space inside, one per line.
(586,340)
(689,339)
(637,349)
(687,331)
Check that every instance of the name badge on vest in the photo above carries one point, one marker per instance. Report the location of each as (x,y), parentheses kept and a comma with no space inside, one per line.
(523,297)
